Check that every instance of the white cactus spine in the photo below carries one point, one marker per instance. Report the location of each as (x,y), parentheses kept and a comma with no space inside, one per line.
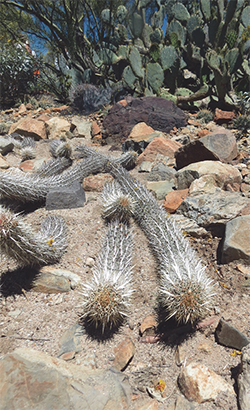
(19,241)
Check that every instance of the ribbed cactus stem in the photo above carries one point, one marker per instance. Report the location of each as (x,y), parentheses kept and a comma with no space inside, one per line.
(54,166)
(60,148)
(19,241)
(32,188)
(185,290)
(116,204)
(107,296)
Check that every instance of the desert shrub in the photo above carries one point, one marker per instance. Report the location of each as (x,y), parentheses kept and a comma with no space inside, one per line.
(205,115)
(88,97)
(17,77)
(242,122)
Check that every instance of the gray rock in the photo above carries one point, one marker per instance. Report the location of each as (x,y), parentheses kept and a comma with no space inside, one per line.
(183,404)
(227,335)
(236,245)
(70,342)
(185,178)
(161,188)
(36,381)
(213,210)
(145,166)
(66,197)
(72,278)
(161,172)
(5,146)
(244,379)
(190,226)
(218,145)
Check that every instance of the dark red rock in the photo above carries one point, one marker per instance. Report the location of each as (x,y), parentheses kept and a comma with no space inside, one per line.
(158,113)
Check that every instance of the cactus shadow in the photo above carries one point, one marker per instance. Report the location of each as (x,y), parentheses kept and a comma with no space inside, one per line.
(18,281)
(22,208)
(169,331)
(96,333)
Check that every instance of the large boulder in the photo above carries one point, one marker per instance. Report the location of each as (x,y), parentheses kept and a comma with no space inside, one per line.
(236,245)
(158,113)
(35,381)
(30,127)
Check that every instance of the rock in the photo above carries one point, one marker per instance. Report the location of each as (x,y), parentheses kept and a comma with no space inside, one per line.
(71,277)
(4,128)
(32,165)
(139,144)
(183,404)
(66,197)
(213,211)
(200,384)
(61,109)
(190,226)
(161,188)
(70,342)
(159,145)
(49,283)
(80,128)
(139,131)
(96,182)
(3,164)
(5,146)
(223,117)
(161,172)
(217,145)
(37,381)
(56,127)
(202,133)
(205,184)
(173,199)
(148,326)
(145,166)
(22,109)
(225,174)
(158,113)
(244,379)
(95,130)
(30,127)
(227,335)
(236,244)
(124,353)
(150,405)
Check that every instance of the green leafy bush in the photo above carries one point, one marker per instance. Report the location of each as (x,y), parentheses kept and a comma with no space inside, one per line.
(17,77)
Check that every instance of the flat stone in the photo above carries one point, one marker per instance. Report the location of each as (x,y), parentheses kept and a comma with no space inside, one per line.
(56,127)
(227,335)
(161,188)
(70,342)
(36,381)
(173,199)
(95,129)
(190,226)
(145,166)
(211,210)
(148,326)
(161,172)
(66,197)
(236,244)
(150,405)
(158,113)
(244,379)
(3,164)
(139,143)
(32,165)
(5,146)
(30,127)
(139,131)
(223,117)
(124,353)
(206,184)
(185,177)
(183,404)
(200,384)
(80,127)
(71,277)
(49,283)
(159,145)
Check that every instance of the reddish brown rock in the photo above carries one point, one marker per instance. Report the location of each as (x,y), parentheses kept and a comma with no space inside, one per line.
(159,145)
(123,102)
(223,117)
(60,109)
(124,353)
(174,198)
(96,182)
(148,326)
(29,127)
(56,127)
(245,187)
(140,129)
(95,130)
(202,133)
(43,117)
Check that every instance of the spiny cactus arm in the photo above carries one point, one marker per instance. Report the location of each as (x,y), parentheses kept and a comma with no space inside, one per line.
(107,296)
(116,204)
(32,188)
(60,148)
(127,159)
(19,241)
(186,291)
(53,166)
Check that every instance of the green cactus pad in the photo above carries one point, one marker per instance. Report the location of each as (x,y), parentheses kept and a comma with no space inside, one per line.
(155,76)
(108,56)
(129,77)
(121,14)
(154,52)
(231,38)
(135,62)
(245,17)
(169,56)
(158,18)
(107,16)
(180,12)
(176,27)
(206,9)
(234,59)
(136,24)
(123,52)
(156,36)
(147,30)
(193,23)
